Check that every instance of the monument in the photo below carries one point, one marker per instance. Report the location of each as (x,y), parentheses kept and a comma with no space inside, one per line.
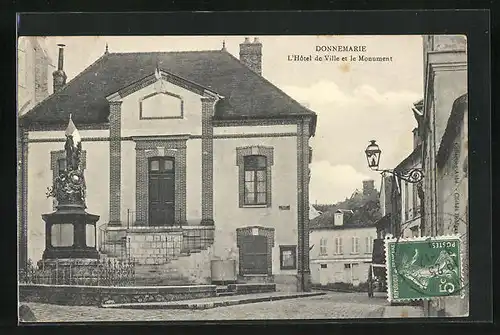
(70,232)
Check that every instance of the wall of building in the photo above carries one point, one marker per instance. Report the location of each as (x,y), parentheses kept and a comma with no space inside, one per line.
(187,122)
(335,270)
(40,177)
(453,193)
(228,215)
(34,72)
(445,62)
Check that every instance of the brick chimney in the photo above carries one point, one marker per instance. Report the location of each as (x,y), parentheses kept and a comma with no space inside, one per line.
(251,54)
(368,186)
(59,75)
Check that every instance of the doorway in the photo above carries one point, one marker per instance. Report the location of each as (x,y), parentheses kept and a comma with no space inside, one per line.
(161,191)
(254,255)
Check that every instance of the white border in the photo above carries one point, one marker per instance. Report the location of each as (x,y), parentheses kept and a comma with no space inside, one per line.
(390,239)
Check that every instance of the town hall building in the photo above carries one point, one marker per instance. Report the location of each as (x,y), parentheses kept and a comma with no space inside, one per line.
(188,157)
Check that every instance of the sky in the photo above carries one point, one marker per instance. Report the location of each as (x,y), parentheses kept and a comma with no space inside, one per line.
(355,101)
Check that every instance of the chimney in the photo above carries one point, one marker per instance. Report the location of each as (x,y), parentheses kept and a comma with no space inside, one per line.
(368,187)
(59,75)
(251,54)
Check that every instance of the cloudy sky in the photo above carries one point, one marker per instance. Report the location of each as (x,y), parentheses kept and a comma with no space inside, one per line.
(355,102)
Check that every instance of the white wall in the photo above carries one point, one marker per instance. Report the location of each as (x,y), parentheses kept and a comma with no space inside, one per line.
(228,215)
(131,125)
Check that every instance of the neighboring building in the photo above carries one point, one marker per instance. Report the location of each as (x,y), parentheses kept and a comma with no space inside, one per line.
(406,202)
(211,161)
(313,212)
(453,181)
(445,83)
(341,250)
(34,70)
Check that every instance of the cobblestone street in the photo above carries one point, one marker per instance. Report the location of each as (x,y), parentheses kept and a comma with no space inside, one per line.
(330,306)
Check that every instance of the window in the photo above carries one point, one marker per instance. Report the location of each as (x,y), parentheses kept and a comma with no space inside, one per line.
(338,246)
(255,180)
(347,266)
(322,246)
(288,259)
(368,245)
(355,245)
(406,204)
(254,165)
(324,266)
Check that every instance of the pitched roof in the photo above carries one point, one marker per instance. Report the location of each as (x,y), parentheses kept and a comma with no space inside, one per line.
(326,221)
(246,93)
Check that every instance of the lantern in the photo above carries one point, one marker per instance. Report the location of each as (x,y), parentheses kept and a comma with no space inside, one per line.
(373,155)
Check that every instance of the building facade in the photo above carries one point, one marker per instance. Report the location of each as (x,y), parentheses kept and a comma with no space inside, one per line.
(341,252)
(445,83)
(406,196)
(189,157)
(34,73)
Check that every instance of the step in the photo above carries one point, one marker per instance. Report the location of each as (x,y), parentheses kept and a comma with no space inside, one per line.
(225,294)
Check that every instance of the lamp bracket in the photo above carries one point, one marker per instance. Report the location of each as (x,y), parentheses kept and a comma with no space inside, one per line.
(413,175)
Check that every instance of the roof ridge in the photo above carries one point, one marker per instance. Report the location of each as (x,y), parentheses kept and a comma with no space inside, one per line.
(162,52)
(262,78)
(98,60)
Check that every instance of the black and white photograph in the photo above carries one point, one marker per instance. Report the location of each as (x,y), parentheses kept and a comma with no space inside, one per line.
(242,177)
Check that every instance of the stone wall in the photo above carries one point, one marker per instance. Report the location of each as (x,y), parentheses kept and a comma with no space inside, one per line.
(97,295)
(154,247)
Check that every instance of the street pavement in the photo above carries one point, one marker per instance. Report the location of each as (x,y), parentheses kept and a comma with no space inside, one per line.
(333,305)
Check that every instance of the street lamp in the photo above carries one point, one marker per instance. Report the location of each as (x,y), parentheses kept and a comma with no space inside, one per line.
(373,152)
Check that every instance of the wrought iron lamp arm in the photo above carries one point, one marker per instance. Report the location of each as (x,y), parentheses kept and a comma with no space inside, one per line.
(413,175)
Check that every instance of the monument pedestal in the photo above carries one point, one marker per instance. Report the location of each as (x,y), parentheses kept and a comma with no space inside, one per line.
(70,232)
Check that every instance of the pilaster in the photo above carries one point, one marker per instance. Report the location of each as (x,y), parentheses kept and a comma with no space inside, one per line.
(114,162)
(207,160)
(303,154)
(22,184)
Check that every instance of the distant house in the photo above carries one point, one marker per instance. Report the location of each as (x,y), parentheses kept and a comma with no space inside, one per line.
(341,250)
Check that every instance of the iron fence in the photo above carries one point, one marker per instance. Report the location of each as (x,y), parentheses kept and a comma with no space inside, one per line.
(102,272)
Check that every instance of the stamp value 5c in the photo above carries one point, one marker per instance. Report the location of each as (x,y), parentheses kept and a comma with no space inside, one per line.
(424,267)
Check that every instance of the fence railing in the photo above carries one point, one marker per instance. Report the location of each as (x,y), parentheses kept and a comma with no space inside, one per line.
(112,245)
(102,272)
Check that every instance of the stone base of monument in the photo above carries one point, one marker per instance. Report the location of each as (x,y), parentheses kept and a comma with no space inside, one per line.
(70,232)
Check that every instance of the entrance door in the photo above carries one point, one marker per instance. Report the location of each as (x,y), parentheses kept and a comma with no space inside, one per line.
(323,274)
(161,191)
(253,255)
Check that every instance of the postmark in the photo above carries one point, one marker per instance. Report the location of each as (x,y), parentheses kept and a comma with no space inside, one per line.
(422,268)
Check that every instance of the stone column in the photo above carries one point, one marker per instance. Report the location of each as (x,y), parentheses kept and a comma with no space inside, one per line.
(114,163)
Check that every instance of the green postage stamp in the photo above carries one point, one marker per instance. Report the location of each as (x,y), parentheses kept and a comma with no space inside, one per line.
(424,267)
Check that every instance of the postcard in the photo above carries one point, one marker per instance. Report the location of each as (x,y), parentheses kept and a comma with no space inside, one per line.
(173,178)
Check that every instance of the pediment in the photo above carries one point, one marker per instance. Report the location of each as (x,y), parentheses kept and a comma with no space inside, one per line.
(161,105)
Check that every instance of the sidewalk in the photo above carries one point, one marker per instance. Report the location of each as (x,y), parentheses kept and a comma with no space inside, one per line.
(214,302)
(403,312)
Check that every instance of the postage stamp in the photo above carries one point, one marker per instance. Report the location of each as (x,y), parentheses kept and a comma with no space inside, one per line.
(424,267)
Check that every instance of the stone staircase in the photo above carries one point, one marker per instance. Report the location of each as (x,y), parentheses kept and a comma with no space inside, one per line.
(187,269)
